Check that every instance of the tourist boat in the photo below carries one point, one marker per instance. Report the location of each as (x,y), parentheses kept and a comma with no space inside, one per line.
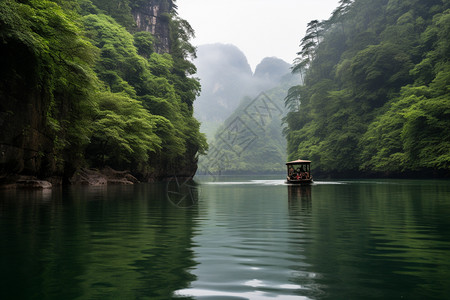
(299,172)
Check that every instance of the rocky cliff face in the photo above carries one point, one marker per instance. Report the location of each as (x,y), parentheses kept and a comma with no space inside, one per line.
(152,16)
(27,144)
(26,147)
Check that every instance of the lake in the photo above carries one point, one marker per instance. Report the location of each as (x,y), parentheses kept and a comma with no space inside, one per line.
(228,238)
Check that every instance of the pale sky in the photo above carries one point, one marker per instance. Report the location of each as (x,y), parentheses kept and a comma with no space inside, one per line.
(260,28)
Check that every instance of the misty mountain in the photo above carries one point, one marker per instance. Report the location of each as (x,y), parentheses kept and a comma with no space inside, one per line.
(250,140)
(226,78)
(242,112)
(270,71)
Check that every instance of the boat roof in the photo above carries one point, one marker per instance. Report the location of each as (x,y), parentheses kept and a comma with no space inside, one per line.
(298,161)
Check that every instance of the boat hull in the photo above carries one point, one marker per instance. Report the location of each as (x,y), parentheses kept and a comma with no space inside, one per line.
(299,181)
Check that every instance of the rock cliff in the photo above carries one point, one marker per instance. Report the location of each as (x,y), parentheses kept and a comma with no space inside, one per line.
(28,145)
(151,16)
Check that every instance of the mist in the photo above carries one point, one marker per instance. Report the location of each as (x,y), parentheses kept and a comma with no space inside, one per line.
(226,78)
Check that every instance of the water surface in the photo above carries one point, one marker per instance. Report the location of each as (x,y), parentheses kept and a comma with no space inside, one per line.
(228,238)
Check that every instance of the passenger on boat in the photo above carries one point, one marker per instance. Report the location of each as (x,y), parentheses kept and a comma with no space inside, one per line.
(291,171)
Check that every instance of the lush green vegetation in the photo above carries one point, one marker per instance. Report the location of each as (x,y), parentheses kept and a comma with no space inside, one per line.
(107,98)
(376,94)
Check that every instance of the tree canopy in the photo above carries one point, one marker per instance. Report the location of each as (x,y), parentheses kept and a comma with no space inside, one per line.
(376,97)
(107,97)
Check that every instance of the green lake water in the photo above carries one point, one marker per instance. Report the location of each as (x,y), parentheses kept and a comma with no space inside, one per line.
(228,238)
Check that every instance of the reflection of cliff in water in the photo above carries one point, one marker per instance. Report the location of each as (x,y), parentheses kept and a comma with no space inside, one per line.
(299,197)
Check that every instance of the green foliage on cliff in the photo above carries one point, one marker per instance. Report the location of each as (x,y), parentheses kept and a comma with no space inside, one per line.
(123,131)
(105,95)
(44,54)
(376,94)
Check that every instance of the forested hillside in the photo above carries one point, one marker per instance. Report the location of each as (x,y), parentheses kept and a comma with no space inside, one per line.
(376,96)
(94,83)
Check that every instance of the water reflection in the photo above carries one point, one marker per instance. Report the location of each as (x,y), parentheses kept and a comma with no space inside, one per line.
(347,240)
(245,245)
(299,197)
(242,239)
(182,193)
(377,240)
(94,243)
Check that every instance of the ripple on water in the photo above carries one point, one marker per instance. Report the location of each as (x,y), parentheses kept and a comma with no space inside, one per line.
(200,293)
(249,264)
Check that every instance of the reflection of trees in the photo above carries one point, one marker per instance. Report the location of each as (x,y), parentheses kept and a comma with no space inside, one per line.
(305,274)
(119,242)
(376,241)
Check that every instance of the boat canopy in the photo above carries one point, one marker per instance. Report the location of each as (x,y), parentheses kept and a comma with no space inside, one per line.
(298,162)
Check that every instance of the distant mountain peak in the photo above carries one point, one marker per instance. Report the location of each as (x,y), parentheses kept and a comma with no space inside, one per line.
(227,78)
(272,68)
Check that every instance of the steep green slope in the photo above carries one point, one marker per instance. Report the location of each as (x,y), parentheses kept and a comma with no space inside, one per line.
(78,89)
(376,95)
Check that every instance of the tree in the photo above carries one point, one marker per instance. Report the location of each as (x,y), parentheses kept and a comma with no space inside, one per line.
(123,133)
(101,92)
(308,44)
(375,97)
(118,9)
(45,46)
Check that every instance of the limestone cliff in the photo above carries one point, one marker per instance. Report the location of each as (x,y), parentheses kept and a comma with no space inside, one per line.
(26,147)
(152,16)
(33,98)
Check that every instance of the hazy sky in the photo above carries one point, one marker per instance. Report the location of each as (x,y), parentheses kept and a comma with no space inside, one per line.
(260,28)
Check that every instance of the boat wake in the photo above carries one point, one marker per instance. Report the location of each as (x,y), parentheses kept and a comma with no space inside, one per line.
(267,182)
(250,182)
(327,182)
